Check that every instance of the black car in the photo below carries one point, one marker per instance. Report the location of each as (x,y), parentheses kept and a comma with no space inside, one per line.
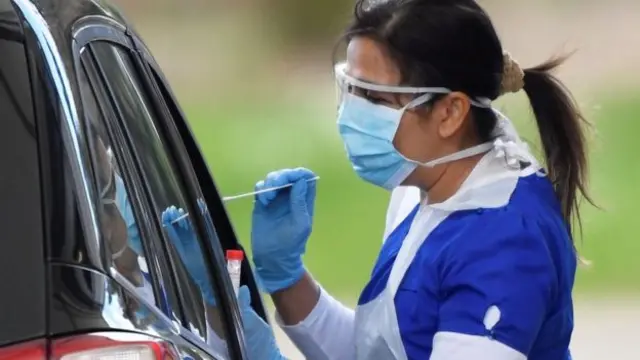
(87,120)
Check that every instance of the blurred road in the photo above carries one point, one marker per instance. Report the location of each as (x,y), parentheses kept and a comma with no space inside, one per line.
(605,329)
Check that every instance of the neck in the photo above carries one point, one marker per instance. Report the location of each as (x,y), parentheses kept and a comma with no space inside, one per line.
(447,180)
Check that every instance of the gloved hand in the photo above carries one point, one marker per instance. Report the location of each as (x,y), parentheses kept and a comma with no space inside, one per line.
(183,237)
(281,226)
(259,337)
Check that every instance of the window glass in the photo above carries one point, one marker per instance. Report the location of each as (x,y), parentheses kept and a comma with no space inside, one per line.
(199,300)
(117,221)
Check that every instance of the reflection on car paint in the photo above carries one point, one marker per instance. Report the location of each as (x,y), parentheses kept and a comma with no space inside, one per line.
(119,309)
(67,104)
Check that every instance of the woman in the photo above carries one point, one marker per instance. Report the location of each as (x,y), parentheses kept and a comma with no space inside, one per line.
(479,261)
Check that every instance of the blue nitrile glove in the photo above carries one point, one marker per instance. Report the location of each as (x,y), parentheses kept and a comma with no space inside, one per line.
(258,335)
(183,237)
(281,226)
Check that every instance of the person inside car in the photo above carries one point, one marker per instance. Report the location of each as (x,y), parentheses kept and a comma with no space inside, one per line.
(122,234)
(114,228)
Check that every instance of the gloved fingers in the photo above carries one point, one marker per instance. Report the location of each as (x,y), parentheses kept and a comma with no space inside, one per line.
(244,297)
(184,222)
(169,214)
(291,176)
(252,323)
(246,311)
(169,217)
(298,202)
(281,178)
(261,198)
(301,173)
(273,179)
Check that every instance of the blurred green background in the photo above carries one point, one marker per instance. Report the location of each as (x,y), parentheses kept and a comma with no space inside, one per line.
(254,77)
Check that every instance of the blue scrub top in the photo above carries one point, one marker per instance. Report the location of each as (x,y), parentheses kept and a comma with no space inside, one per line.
(518,257)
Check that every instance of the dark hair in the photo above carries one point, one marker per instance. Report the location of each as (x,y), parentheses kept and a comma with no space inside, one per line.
(453,44)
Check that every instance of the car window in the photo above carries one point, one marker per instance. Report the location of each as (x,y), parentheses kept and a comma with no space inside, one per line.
(118,224)
(165,189)
(223,236)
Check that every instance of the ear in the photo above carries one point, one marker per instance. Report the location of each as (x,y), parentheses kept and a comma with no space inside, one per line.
(454,109)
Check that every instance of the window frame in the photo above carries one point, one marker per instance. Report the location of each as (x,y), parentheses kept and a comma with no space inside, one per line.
(166,258)
(223,227)
(128,172)
(89,31)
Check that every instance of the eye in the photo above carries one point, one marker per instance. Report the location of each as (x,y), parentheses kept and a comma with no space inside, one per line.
(375,98)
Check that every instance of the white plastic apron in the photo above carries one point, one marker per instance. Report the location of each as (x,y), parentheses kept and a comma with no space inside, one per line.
(376,324)
(377,333)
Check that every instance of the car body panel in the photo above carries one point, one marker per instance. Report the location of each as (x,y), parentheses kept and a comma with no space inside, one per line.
(22,254)
(89,300)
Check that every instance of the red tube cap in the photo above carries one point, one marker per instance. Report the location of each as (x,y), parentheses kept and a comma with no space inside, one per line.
(235,255)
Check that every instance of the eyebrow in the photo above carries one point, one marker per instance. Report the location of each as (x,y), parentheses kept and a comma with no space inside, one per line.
(363,79)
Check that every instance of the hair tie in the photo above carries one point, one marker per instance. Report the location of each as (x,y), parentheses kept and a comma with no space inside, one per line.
(512,75)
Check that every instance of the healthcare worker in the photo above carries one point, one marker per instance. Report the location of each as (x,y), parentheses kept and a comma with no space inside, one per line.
(478,260)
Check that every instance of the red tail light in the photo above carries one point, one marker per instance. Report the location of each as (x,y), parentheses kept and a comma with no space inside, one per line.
(112,345)
(96,346)
(32,350)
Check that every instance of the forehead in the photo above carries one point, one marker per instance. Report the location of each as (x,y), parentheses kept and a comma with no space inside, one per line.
(367,60)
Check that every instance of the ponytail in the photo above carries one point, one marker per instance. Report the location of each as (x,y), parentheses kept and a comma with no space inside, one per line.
(561,127)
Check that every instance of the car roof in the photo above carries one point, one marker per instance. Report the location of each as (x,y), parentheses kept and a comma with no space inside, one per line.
(62,14)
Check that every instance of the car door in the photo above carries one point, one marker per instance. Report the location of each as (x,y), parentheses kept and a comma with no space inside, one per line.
(157,150)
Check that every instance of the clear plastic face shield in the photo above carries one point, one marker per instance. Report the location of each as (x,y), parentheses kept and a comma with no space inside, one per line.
(347,84)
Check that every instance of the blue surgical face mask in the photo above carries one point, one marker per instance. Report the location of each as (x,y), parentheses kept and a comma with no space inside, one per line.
(368,129)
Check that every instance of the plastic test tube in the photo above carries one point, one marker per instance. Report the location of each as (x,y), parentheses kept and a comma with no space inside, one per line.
(234,267)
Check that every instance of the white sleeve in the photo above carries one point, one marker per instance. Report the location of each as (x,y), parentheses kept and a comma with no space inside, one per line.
(457,346)
(327,333)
